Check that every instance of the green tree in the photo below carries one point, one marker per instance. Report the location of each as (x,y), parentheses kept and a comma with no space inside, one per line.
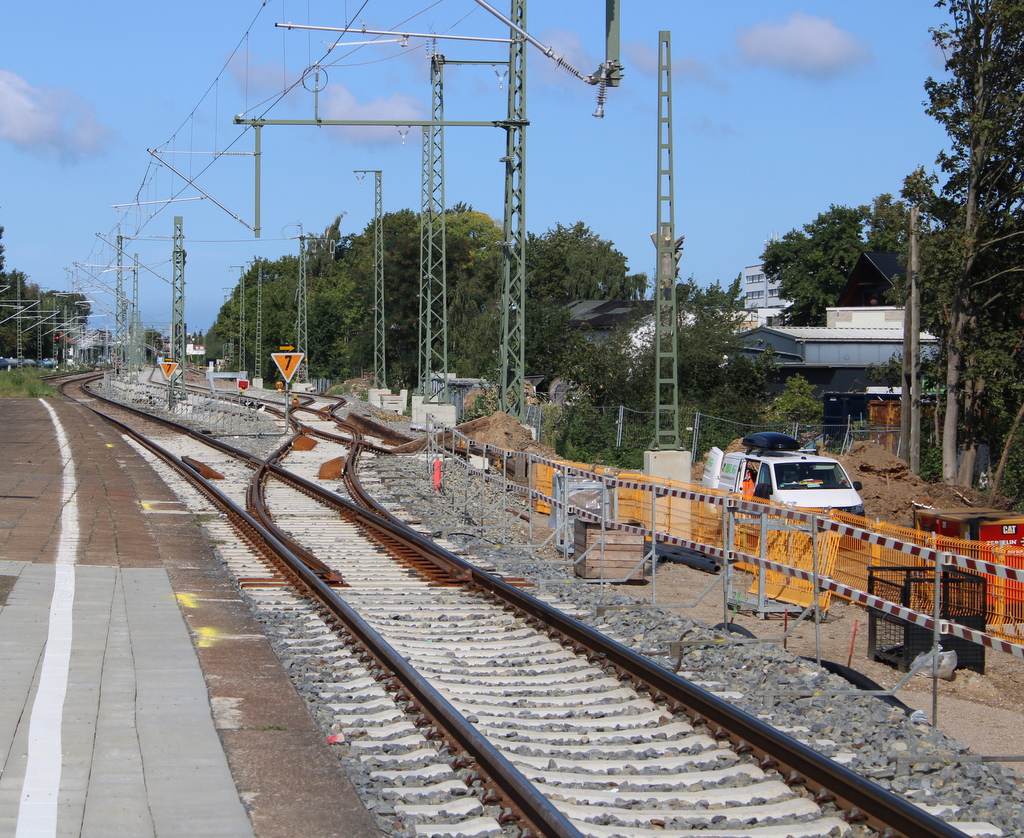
(812,264)
(797,403)
(972,254)
(715,375)
(574,263)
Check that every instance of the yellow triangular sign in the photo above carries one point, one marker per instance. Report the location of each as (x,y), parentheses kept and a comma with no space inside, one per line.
(168,366)
(287,362)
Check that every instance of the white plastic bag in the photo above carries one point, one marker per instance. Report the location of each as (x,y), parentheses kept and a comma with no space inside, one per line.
(946,667)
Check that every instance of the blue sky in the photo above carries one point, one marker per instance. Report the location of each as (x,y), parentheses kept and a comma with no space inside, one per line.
(780,109)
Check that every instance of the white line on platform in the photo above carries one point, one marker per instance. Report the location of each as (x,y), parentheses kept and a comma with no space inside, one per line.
(37,811)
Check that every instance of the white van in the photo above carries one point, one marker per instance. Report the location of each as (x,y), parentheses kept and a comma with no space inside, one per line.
(784,474)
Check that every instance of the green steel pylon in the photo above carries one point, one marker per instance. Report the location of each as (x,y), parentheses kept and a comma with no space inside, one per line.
(433,331)
(302,375)
(178,312)
(379,349)
(120,313)
(511,394)
(666,426)
(258,362)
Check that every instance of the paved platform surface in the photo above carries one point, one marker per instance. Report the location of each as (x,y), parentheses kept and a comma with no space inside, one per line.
(138,696)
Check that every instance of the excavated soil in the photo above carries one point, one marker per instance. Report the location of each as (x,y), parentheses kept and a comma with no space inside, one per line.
(891,491)
(504,431)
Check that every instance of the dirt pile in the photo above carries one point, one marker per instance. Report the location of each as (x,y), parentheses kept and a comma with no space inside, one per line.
(498,429)
(505,431)
(352,387)
(891,490)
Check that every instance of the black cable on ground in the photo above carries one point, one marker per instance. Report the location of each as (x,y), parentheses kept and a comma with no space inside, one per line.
(857,679)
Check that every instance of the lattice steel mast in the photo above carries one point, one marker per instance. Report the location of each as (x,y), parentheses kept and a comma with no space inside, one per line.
(433,246)
(258,362)
(241,321)
(120,313)
(379,337)
(666,430)
(511,394)
(302,374)
(178,312)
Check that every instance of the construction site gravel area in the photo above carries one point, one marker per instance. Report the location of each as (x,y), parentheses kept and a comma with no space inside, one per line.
(982,711)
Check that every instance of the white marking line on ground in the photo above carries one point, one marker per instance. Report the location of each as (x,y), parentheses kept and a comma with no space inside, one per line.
(37,811)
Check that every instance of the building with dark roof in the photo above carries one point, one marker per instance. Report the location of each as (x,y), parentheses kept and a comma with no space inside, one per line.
(871,279)
(602,316)
(862,332)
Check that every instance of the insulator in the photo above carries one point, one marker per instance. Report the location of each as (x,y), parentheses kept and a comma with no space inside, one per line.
(602,88)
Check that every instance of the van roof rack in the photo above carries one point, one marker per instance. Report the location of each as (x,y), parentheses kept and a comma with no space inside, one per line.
(770,441)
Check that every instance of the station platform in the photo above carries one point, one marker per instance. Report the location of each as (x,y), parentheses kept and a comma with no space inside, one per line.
(138,697)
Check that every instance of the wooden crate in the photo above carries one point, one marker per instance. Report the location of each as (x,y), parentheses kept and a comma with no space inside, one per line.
(622,553)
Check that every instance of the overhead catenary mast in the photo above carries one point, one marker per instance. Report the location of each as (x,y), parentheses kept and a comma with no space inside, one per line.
(512,387)
(666,368)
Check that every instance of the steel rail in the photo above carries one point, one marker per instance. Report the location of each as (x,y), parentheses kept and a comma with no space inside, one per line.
(525,803)
(860,799)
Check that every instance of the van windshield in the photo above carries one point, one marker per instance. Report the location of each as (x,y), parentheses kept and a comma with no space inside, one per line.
(811,476)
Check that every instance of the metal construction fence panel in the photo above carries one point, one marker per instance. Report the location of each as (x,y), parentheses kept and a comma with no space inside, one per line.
(622,428)
(798,556)
(228,414)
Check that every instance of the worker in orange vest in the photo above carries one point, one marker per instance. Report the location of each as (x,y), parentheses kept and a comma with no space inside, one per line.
(748,483)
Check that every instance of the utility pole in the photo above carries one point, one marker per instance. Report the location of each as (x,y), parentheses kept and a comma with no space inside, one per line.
(139,338)
(120,312)
(17,323)
(241,320)
(379,354)
(302,374)
(433,331)
(666,368)
(178,312)
(910,399)
(258,364)
(512,361)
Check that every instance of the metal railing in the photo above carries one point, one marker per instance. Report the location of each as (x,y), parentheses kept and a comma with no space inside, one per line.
(799,559)
(225,415)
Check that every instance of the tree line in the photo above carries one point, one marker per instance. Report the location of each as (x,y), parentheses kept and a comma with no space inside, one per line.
(48,319)
(971,244)
(972,298)
(565,263)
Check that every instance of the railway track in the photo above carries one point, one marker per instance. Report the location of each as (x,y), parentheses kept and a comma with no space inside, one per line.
(467,706)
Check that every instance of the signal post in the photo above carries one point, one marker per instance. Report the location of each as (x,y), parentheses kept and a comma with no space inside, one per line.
(169,367)
(287,361)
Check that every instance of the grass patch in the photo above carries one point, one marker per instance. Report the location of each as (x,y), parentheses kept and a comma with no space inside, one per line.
(25,384)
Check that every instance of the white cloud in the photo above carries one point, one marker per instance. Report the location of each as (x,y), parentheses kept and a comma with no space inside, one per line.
(49,121)
(640,57)
(338,102)
(803,45)
(706,126)
(258,77)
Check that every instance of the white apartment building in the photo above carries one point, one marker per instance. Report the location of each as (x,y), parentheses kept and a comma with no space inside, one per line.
(761,297)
